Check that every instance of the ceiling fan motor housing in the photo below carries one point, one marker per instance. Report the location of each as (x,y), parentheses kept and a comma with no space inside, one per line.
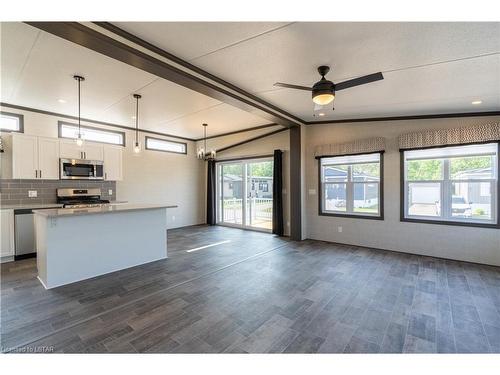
(323,87)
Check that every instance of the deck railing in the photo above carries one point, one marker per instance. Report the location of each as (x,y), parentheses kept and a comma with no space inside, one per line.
(257,209)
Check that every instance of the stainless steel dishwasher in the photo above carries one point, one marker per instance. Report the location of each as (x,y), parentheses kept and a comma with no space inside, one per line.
(24,228)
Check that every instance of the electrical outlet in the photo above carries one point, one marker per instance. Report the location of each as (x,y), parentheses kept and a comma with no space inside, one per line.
(110,192)
(339,229)
(32,193)
(312,191)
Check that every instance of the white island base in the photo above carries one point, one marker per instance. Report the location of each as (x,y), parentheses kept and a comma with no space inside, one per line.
(74,245)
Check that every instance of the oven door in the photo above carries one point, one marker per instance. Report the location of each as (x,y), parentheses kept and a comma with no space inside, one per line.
(75,169)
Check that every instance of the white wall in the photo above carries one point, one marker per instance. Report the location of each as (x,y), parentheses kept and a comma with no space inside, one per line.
(150,177)
(481,245)
(264,146)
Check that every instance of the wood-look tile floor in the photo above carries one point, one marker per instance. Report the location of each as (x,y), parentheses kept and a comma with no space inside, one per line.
(256,294)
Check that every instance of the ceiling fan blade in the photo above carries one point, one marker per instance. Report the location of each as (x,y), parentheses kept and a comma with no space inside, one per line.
(359,81)
(288,86)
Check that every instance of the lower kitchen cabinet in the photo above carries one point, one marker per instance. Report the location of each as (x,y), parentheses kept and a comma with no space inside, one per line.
(7,230)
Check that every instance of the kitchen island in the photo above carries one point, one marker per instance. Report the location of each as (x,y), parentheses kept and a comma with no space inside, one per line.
(77,244)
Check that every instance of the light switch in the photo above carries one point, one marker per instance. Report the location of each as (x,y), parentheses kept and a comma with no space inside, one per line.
(312,191)
(32,193)
(110,192)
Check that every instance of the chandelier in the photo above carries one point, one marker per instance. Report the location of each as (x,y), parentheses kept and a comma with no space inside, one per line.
(202,153)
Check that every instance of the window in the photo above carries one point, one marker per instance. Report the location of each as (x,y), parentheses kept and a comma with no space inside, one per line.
(351,186)
(67,130)
(164,145)
(454,184)
(11,122)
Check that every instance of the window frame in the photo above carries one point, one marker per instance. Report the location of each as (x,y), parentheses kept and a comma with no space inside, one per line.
(20,118)
(351,215)
(402,191)
(164,140)
(61,123)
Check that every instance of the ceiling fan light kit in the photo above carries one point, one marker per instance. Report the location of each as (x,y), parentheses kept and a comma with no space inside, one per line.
(323,91)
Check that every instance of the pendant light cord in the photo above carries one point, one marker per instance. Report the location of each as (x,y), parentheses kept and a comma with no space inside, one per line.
(205,138)
(137,120)
(79,125)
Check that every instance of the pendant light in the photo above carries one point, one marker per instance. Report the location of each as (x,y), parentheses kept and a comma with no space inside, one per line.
(202,152)
(137,146)
(79,139)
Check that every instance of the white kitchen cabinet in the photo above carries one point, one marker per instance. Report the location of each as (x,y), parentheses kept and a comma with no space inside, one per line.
(35,157)
(90,151)
(93,151)
(7,229)
(68,149)
(24,156)
(48,158)
(113,170)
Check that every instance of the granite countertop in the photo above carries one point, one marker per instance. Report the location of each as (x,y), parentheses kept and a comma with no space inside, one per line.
(33,206)
(29,206)
(111,208)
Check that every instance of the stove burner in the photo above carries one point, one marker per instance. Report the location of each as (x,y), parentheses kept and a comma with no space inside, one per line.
(80,198)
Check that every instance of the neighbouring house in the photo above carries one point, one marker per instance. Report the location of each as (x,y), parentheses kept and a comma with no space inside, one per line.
(259,187)
(365,193)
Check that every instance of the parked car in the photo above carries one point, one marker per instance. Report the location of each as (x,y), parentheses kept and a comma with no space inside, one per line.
(460,206)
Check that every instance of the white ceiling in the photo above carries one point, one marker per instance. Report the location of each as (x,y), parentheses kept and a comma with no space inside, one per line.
(414,57)
(37,70)
(428,68)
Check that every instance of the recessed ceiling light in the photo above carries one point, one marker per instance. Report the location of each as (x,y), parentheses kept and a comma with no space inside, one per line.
(61,101)
(476,102)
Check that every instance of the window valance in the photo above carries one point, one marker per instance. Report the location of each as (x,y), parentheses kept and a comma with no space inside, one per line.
(350,148)
(455,136)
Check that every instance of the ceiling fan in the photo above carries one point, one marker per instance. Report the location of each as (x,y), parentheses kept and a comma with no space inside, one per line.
(323,91)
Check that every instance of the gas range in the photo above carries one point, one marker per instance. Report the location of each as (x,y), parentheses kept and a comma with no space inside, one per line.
(80,198)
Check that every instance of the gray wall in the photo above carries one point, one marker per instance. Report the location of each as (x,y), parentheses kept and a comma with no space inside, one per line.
(481,245)
(16,191)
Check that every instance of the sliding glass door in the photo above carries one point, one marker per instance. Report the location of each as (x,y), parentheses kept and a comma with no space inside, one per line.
(245,193)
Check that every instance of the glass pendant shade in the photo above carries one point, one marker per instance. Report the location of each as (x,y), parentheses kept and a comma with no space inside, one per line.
(323,99)
(137,147)
(79,141)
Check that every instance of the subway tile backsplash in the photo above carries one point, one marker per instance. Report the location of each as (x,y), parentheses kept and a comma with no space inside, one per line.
(16,191)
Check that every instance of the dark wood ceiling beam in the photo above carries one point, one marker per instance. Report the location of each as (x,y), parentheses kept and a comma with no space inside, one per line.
(98,42)
(251,139)
(153,48)
(404,118)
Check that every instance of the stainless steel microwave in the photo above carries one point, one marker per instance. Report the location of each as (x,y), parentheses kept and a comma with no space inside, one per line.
(77,169)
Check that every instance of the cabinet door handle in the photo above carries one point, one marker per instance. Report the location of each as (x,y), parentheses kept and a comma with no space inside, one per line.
(105,175)
(36,173)
(40,173)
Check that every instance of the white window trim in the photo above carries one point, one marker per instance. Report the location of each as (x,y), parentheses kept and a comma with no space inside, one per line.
(446,191)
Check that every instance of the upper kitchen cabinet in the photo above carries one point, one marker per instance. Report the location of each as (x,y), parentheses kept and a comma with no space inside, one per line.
(48,158)
(24,156)
(93,151)
(90,151)
(113,170)
(35,157)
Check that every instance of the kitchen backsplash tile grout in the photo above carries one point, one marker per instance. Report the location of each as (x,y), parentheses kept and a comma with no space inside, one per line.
(15,191)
